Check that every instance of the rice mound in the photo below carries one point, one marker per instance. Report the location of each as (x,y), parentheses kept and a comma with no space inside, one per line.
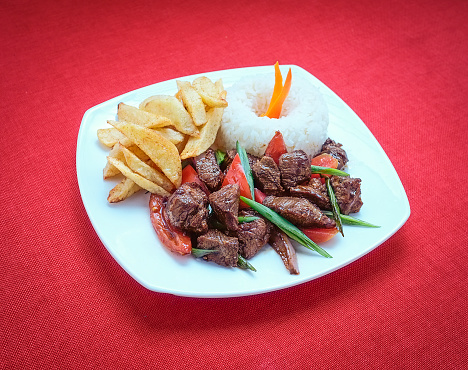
(303,121)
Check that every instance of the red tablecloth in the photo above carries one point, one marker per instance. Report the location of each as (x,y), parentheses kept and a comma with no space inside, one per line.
(65,303)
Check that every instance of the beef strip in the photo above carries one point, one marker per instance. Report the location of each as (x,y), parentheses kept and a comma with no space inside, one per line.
(208,170)
(335,150)
(227,247)
(252,235)
(294,168)
(348,193)
(299,211)
(315,191)
(267,176)
(225,204)
(280,242)
(187,208)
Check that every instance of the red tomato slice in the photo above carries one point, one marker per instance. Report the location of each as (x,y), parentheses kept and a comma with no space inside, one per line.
(320,235)
(325,160)
(259,195)
(173,239)
(236,175)
(189,174)
(276,147)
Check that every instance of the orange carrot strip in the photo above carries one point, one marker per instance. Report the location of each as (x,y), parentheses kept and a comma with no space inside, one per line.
(278,87)
(275,110)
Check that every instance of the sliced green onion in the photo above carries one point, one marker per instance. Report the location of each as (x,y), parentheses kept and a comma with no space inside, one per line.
(328,171)
(246,166)
(350,220)
(202,252)
(288,228)
(220,156)
(244,264)
(247,218)
(335,206)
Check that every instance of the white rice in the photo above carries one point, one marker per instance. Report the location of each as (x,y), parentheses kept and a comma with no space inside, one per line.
(303,121)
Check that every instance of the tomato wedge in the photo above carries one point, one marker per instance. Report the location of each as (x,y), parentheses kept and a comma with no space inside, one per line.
(173,239)
(276,147)
(259,196)
(189,174)
(325,160)
(236,175)
(320,235)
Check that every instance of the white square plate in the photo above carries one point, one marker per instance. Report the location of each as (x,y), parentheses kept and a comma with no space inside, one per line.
(126,231)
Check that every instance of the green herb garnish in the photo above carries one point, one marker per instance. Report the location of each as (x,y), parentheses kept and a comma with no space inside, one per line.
(335,206)
(350,220)
(288,228)
(220,156)
(244,264)
(328,171)
(247,218)
(202,252)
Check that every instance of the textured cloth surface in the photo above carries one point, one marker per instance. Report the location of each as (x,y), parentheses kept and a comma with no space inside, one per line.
(65,303)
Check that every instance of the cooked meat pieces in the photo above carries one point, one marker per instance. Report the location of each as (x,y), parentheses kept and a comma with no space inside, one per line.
(267,176)
(335,150)
(299,211)
(314,191)
(225,204)
(252,235)
(227,247)
(280,242)
(208,170)
(294,168)
(348,193)
(187,208)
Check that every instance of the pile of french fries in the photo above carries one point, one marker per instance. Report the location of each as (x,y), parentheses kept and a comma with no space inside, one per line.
(149,142)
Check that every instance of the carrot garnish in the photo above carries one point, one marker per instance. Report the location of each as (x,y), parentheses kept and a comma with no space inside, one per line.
(280,93)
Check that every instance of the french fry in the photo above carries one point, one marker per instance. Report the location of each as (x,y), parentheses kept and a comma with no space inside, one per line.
(109,169)
(138,179)
(175,137)
(160,150)
(109,136)
(170,107)
(140,117)
(122,191)
(192,102)
(145,170)
(197,145)
(210,92)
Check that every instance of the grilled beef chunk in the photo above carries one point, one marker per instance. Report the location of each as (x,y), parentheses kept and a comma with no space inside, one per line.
(348,193)
(299,211)
(208,170)
(187,209)
(334,149)
(294,168)
(315,191)
(280,242)
(252,235)
(227,247)
(225,204)
(267,176)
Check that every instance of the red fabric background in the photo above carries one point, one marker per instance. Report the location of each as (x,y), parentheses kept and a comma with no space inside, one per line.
(65,303)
